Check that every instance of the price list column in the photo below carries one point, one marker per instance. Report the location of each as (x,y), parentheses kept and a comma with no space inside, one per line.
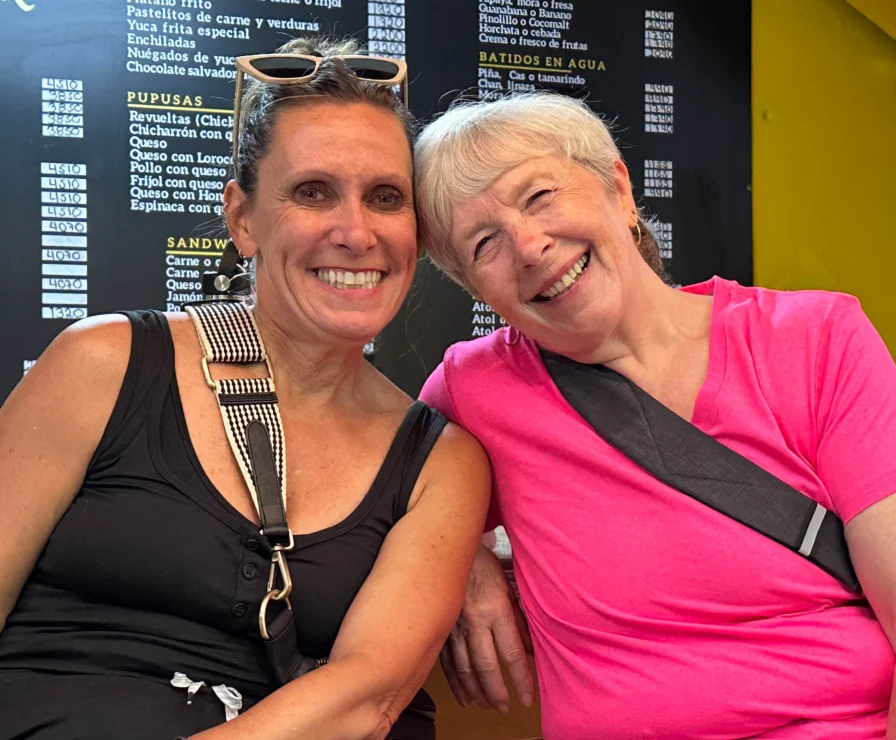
(63,206)
(386,29)
(386,38)
(63,240)
(659,118)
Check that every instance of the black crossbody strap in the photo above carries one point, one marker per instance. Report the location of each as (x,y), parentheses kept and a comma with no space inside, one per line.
(228,334)
(683,457)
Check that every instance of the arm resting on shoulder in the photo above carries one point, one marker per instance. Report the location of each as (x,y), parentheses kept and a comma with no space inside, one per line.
(391,636)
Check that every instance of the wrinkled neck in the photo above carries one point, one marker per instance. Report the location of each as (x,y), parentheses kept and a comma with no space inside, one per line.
(657,324)
(308,369)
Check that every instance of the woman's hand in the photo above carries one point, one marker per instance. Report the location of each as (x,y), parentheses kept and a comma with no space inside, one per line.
(490,631)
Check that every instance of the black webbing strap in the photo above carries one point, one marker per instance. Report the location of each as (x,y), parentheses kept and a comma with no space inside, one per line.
(683,457)
(271,509)
(229,335)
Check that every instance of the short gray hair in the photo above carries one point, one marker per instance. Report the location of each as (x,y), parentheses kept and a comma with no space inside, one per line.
(461,153)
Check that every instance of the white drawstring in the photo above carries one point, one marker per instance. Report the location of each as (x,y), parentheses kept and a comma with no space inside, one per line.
(230,697)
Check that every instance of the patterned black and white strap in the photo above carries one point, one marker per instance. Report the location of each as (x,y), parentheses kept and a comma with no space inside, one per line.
(228,334)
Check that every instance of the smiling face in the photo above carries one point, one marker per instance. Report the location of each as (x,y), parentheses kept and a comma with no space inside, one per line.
(331,222)
(549,247)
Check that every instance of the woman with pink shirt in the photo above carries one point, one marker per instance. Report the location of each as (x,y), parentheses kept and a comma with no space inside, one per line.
(652,614)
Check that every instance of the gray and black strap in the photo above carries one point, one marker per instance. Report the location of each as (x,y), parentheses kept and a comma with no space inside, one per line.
(682,456)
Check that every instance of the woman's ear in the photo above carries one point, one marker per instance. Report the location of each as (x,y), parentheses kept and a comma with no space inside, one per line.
(236,216)
(624,192)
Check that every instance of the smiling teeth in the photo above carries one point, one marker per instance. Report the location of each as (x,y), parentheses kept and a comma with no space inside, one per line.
(568,279)
(345,280)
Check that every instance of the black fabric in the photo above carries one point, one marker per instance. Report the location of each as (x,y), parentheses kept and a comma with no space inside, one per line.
(229,260)
(682,456)
(417,722)
(246,399)
(284,658)
(231,266)
(151,571)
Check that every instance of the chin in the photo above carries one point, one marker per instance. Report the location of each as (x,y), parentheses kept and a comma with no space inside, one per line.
(352,332)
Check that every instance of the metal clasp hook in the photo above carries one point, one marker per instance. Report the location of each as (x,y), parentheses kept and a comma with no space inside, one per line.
(278,564)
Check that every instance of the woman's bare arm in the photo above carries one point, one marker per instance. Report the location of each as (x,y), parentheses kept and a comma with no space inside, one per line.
(50,427)
(871,537)
(392,634)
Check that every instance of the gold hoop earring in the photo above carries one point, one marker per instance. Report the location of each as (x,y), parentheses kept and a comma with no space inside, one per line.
(638,226)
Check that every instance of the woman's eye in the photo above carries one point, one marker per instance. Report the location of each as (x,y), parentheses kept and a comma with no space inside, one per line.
(310,193)
(535,196)
(480,245)
(388,199)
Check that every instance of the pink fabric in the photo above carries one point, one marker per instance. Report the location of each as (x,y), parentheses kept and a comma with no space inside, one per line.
(651,614)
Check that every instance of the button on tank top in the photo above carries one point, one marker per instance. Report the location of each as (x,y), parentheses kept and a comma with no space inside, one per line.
(151,572)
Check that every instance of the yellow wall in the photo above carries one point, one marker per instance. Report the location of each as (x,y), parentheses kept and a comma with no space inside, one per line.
(824,194)
(881,12)
(824,152)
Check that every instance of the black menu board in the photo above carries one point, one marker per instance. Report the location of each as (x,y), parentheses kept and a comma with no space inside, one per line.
(117,118)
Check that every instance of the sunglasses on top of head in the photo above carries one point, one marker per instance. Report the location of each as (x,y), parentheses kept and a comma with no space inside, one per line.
(294,69)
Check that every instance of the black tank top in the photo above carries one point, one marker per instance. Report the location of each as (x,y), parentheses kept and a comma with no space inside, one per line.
(151,571)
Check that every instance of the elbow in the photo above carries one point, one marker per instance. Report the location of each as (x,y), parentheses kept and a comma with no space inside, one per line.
(382,728)
(386,697)
(376,720)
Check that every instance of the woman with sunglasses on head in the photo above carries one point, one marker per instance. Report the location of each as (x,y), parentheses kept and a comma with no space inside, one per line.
(132,566)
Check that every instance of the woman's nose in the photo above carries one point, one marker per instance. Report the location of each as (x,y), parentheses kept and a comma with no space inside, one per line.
(353,229)
(530,244)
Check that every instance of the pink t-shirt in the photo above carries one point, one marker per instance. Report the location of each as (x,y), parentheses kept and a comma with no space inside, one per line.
(653,615)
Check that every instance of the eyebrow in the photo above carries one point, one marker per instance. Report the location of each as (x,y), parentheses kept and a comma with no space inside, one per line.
(380,179)
(524,185)
(469,234)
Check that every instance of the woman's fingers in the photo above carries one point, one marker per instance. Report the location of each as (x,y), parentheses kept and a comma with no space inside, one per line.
(512,652)
(464,670)
(451,676)
(487,667)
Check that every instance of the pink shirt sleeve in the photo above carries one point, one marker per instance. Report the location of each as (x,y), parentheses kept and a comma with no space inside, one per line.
(856,411)
(436,393)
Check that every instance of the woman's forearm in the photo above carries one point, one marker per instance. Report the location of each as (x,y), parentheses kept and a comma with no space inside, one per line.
(348,699)
(358,696)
